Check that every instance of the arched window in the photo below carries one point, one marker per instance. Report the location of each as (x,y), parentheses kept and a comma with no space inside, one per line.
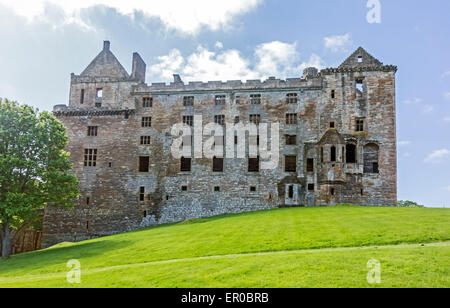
(333,153)
(371,156)
(350,153)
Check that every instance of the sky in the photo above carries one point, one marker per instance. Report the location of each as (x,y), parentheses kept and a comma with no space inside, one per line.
(44,41)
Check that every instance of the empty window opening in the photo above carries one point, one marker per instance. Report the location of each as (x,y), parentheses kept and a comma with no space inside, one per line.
(253,164)
(186,164)
(310,165)
(291,140)
(146,122)
(255,99)
(321,155)
(217,164)
(142,194)
(184,188)
(188,120)
(333,154)
(311,187)
(167,197)
(359,125)
(144,164)
(360,59)
(291,119)
(88,201)
(99,93)
(333,94)
(147,102)
(146,140)
(87,225)
(371,156)
(220,100)
(90,157)
(350,154)
(217,188)
(144,214)
(219,119)
(290,164)
(292,98)
(236,139)
(92,131)
(110,165)
(362,192)
(332,125)
(332,191)
(82,97)
(236,120)
(188,101)
(255,119)
(291,192)
(360,85)
(252,188)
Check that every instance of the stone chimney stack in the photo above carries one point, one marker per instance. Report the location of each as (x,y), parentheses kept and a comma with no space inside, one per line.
(106,45)
(139,68)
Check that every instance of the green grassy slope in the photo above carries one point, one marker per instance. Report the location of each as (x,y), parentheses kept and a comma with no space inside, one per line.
(293,241)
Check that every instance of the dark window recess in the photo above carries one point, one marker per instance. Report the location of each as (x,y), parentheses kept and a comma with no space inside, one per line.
(332,191)
(220,100)
(333,154)
(371,165)
(184,188)
(142,194)
(290,164)
(98,105)
(188,120)
(253,164)
(255,119)
(311,187)
(147,102)
(92,131)
(88,201)
(87,225)
(186,164)
(350,154)
(146,122)
(332,125)
(167,198)
(217,164)
(188,101)
(321,155)
(255,99)
(292,98)
(291,140)
(144,164)
(310,165)
(236,120)
(333,94)
(144,214)
(110,165)
(291,119)
(359,125)
(217,189)
(146,140)
(291,191)
(252,188)
(238,100)
(219,119)
(82,97)
(236,139)
(90,157)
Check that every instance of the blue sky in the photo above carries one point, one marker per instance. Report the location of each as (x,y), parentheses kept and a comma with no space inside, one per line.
(44,41)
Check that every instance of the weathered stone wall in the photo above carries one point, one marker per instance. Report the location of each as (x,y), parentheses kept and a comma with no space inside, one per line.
(113,186)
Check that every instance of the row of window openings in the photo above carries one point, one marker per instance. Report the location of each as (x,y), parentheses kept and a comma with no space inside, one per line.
(98,97)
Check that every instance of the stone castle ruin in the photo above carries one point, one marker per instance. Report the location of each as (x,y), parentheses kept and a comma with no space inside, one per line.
(337,145)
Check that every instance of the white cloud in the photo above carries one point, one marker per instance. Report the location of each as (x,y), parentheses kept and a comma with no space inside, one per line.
(437,156)
(187,16)
(427,109)
(447,188)
(338,42)
(219,45)
(447,119)
(411,101)
(404,143)
(270,59)
(447,95)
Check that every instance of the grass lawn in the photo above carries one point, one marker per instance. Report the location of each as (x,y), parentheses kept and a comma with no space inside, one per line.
(278,248)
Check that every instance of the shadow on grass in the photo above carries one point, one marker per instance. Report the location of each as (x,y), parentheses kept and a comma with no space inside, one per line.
(59,256)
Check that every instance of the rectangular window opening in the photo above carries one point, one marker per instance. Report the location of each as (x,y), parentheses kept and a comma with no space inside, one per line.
(188,101)
(290,164)
(92,131)
(220,100)
(253,164)
(147,102)
(292,98)
(146,140)
(144,164)
(90,157)
(186,164)
(310,165)
(291,119)
(217,164)
(146,122)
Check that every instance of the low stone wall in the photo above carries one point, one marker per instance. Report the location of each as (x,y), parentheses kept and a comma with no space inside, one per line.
(29,241)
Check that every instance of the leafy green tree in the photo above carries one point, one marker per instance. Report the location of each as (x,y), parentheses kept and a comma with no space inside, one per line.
(408,203)
(34,169)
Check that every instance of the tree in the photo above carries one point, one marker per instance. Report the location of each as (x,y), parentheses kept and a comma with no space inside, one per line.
(408,203)
(34,169)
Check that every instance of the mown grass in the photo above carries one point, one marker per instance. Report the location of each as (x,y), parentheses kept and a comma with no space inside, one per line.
(284,230)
